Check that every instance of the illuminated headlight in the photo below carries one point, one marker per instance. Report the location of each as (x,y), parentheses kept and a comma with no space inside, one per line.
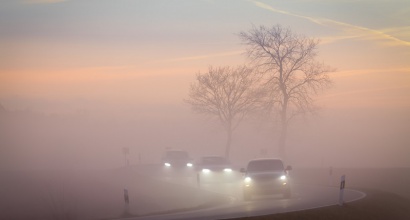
(283,177)
(206,170)
(189,164)
(167,164)
(228,170)
(247,179)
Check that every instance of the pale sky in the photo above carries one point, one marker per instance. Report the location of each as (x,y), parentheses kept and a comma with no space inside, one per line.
(134,58)
(60,50)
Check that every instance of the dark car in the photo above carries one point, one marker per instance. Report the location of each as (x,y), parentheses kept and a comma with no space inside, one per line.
(177,159)
(266,176)
(214,164)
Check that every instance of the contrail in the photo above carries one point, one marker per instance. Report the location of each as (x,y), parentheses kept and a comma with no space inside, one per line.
(354,72)
(345,26)
(43,1)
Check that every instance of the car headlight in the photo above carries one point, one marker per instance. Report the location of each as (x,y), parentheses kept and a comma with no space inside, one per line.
(206,170)
(167,164)
(228,170)
(247,179)
(189,164)
(283,177)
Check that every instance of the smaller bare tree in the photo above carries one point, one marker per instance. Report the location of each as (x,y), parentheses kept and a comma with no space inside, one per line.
(227,93)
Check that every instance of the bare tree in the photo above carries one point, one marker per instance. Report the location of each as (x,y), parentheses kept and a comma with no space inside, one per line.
(227,93)
(291,73)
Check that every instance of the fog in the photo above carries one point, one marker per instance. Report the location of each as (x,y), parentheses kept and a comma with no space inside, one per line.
(72,165)
(80,81)
(82,139)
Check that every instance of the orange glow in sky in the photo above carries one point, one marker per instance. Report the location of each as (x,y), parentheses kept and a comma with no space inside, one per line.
(114,58)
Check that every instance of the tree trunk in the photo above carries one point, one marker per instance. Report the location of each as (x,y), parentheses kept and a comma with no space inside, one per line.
(228,142)
(282,140)
(283,129)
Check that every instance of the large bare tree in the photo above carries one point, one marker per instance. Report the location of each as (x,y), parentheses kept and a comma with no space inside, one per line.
(226,93)
(291,73)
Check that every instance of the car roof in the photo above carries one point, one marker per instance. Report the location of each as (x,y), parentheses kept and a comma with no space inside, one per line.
(176,150)
(265,159)
(212,156)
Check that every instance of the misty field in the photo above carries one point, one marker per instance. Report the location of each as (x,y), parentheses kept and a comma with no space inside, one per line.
(394,180)
(98,194)
(90,194)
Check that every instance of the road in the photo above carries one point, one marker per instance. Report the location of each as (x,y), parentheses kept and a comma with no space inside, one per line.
(303,197)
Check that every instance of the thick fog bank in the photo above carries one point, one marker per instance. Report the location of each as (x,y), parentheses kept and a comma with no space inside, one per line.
(34,140)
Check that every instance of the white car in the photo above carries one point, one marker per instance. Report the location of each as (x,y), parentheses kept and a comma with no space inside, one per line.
(266,176)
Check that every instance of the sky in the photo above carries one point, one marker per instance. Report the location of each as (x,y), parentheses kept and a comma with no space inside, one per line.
(132,61)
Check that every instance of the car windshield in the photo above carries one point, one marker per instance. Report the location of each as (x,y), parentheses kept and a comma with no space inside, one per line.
(213,160)
(265,165)
(177,155)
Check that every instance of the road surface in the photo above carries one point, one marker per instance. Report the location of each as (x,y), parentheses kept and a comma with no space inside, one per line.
(303,197)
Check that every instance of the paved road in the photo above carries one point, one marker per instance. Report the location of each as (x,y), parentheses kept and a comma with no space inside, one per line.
(99,194)
(308,197)
(303,197)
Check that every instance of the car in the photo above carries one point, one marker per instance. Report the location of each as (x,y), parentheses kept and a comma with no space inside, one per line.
(264,177)
(177,159)
(214,169)
(214,164)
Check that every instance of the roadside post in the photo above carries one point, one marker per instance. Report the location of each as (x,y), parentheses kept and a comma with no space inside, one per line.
(126,200)
(342,189)
(198,179)
(126,151)
(330,176)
